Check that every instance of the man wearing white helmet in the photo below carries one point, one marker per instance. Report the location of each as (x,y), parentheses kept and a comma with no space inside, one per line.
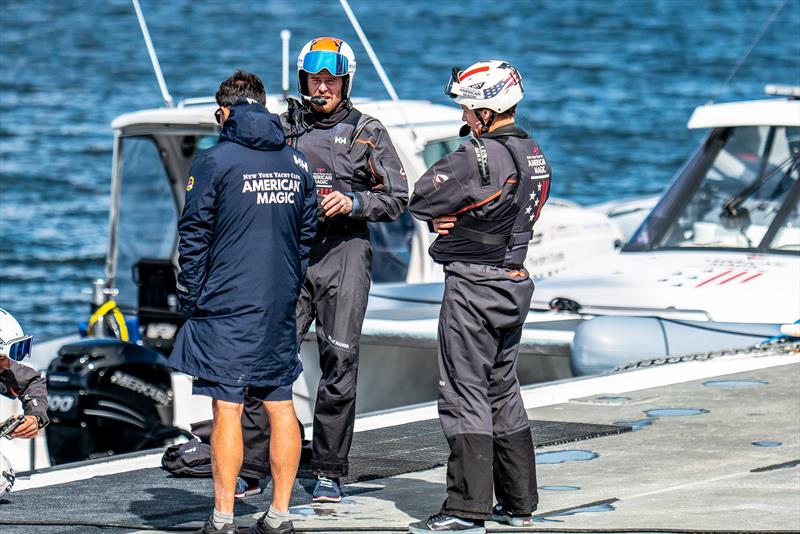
(21,382)
(359,178)
(483,200)
(18,381)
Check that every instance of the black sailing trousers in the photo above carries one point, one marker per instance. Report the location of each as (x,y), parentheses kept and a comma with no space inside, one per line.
(334,293)
(480,407)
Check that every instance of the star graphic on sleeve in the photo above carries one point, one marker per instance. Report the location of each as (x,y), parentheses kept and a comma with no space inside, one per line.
(539,186)
(533,195)
(528,209)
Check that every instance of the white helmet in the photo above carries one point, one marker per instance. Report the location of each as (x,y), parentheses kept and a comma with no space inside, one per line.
(13,341)
(493,85)
(326,53)
(7,475)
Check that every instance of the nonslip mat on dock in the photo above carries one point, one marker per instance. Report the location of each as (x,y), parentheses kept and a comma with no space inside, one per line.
(394,450)
(154,498)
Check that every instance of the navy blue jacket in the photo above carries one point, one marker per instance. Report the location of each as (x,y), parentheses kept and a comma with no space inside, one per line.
(245,235)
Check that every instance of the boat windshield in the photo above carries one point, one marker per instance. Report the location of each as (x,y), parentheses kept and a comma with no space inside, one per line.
(436,150)
(153,170)
(147,213)
(740,191)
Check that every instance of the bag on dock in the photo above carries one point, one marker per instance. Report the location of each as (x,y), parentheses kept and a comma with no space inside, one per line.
(190,459)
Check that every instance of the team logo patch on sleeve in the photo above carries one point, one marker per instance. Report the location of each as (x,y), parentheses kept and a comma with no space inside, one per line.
(439,179)
(190,183)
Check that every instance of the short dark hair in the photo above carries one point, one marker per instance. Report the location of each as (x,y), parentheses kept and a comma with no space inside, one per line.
(509,113)
(241,85)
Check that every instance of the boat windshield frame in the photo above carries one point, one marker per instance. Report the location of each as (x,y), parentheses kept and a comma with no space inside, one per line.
(653,231)
(173,170)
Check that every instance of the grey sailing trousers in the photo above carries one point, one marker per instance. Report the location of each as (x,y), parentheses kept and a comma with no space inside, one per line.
(334,293)
(480,406)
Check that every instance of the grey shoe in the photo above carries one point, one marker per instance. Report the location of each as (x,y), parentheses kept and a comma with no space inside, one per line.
(327,490)
(501,516)
(209,528)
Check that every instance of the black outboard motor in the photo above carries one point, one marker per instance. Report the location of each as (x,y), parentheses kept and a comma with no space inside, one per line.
(107,397)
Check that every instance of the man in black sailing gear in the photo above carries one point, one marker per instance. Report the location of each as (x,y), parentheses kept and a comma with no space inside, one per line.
(359,178)
(483,200)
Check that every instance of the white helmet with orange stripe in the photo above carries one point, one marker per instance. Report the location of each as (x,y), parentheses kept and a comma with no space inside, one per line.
(494,85)
(326,53)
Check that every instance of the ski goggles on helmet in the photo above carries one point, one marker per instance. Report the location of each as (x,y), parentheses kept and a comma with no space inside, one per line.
(17,349)
(318,60)
(454,88)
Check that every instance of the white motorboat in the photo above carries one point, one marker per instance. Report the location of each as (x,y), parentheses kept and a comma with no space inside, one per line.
(715,264)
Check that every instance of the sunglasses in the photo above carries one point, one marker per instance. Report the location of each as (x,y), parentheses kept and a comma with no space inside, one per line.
(218,116)
(17,349)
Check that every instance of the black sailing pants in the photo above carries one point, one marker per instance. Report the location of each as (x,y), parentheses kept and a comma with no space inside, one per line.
(334,293)
(480,407)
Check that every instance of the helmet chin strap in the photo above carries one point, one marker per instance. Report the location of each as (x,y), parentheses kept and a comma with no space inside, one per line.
(486,125)
(465,129)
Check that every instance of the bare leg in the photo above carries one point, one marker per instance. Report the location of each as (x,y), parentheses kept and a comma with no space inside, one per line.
(226,452)
(284,451)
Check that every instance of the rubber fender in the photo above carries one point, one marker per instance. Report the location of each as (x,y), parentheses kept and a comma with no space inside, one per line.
(603,343)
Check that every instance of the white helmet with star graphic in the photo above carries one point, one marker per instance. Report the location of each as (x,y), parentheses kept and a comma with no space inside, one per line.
(493,84)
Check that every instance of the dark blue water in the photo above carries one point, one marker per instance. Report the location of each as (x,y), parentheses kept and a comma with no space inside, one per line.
(609,85)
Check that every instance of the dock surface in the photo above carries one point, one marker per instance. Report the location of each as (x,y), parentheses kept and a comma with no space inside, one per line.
(714,447)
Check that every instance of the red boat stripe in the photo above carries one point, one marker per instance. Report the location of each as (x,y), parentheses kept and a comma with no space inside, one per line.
(734,277)
(748,279)
(701,284)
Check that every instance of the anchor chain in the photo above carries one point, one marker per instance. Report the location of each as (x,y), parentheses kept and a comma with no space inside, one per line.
(769,348)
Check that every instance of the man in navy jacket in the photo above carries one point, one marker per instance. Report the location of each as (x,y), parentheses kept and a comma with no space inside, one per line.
(245,235)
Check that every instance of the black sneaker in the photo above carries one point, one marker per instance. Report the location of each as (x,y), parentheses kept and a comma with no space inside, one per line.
(262,527)
(209,528)
(447,523)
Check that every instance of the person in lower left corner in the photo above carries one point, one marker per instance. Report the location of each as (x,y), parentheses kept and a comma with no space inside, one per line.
(18,381)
